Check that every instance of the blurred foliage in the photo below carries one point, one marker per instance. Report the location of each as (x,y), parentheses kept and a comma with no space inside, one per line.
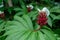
(19,9)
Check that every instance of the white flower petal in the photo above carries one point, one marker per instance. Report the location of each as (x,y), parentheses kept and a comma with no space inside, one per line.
(27,6)
(30,6)
(46,10)
(1,12)
(38,9)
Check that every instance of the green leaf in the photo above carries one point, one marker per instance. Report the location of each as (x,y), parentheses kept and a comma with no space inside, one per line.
(16,27)
(32,13)
(49,22)
(53,16)
(58,38)
(25,36)
(32,36)
(20,29)
(19,13)
(41,36)
(21,20)
(24,9)
(57,17)
(28,21)
(48,34)
(46,38)
(34,17)
(16,36)
(22,4)
(2,25)
(17,9)
(55,9)
(57,31)
(46,27)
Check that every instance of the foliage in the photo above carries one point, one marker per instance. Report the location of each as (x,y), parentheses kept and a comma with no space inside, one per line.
(19,24)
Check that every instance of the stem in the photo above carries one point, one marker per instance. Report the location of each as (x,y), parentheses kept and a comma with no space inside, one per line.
(38,29)
(7,3)
(10,3)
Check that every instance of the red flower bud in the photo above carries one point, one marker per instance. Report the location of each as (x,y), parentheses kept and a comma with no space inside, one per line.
(42,19)
(2,15)
(29,9)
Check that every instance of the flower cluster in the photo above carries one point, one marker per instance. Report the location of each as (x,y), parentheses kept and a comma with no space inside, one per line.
(42,17)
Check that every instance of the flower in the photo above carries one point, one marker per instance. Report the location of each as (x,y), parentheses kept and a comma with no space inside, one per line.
(42,17)
(44,10)
(29,7)
(2,15)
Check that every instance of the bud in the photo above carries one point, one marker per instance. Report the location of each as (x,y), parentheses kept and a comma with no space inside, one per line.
(2,15)
(29,8)
(42,17)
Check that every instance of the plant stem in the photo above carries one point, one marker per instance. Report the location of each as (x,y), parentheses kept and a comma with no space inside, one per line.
(38,29)
(7,3)
(10,3)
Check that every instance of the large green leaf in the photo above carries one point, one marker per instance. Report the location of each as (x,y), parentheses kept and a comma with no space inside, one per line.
(28,21)
(19,19)
(46,27)
(49,34)
(20,29)
(32,36)
(16,28)
(24,20)
(57,17)
(47,38)
(55,9)
(41,36)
